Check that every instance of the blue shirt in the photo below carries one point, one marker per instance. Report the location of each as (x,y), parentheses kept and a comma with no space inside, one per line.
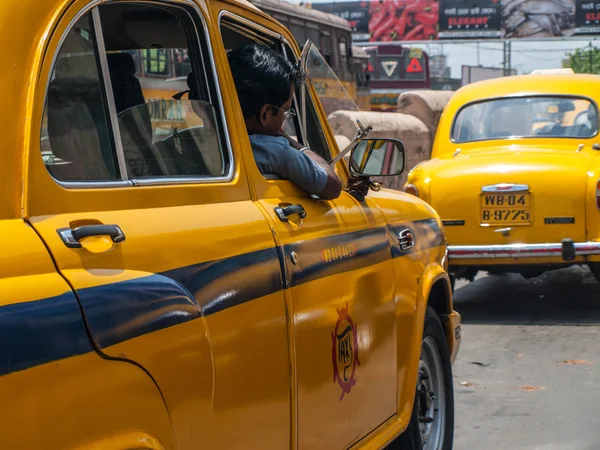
(275,156)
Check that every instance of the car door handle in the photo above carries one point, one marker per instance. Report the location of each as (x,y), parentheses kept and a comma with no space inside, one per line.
(72,236)
(283,213)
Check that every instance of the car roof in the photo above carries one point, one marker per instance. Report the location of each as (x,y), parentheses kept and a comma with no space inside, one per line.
(245,3)
(561,84)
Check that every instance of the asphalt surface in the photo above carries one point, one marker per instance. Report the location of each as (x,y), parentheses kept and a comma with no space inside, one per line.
(528,372)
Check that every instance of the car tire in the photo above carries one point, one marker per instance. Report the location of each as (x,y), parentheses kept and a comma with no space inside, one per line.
(431,425)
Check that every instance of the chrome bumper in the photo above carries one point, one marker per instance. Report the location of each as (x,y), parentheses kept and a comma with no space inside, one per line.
(520,250)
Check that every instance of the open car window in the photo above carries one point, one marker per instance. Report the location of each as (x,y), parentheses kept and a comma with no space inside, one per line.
(234,35)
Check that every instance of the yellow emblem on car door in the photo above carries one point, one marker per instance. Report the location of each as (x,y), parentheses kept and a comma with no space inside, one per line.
(344,351)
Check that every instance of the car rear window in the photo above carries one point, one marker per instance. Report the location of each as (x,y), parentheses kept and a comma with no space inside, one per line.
(526,117)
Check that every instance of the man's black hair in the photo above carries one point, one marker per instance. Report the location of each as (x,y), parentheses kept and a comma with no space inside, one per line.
(262,77)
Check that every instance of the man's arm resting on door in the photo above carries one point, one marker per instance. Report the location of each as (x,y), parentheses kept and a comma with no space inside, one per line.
(333,186)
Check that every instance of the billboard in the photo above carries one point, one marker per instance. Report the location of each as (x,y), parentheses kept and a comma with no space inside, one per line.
(355,12)
(587,17)
(387,20)
(537,18)
(469,19)
(421,20)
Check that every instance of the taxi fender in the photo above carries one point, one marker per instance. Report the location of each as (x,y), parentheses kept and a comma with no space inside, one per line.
(592,209)
(434,273)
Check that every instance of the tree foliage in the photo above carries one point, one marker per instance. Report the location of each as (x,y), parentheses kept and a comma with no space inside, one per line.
(584,60)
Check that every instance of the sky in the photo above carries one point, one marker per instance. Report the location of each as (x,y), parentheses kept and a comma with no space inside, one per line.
(526,55)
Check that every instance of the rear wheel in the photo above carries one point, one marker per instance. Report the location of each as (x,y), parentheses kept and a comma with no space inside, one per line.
(432,423)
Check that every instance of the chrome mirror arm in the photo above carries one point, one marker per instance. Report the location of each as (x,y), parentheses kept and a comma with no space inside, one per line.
(361,133)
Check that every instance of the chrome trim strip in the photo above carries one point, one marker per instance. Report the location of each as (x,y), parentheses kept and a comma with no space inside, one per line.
(518,250)
(170,180)
(112,109)
(505,187)
(93,184)
(411,186)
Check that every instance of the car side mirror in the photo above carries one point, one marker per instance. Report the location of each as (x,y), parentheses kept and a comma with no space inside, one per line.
(377,158)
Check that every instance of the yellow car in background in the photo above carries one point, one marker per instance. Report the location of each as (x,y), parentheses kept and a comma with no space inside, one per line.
(515,174)
(158,292)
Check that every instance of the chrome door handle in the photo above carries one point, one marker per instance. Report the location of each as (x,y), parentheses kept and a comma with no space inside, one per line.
(283,213)
(72,236)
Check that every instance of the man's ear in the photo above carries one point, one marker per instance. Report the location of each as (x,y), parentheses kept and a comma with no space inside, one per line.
(263,113)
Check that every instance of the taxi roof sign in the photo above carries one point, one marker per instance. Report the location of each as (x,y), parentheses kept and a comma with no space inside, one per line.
(566,71)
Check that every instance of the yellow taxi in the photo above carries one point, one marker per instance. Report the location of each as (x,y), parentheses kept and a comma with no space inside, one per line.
(515,175)
(158,292)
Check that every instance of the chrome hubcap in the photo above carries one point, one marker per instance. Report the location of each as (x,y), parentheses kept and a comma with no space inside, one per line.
(431,399)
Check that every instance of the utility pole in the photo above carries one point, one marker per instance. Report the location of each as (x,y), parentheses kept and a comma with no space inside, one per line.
(504,58)
(509,58)
(506,63)
(591,51)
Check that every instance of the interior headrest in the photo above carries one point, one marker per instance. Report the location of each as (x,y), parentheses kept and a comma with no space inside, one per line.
(121,63)
(191,82)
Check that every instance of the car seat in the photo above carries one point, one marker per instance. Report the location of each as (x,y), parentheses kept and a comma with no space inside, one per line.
(77,123)
(134,120)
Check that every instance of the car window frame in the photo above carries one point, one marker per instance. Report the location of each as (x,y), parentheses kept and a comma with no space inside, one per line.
(285,45)
(517,96)
(204,49)
(309,114)
(279,39)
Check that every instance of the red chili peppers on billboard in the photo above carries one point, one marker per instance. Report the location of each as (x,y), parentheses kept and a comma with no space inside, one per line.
(403,20)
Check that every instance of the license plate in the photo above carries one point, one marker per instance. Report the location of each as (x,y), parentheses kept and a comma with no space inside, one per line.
(505,209)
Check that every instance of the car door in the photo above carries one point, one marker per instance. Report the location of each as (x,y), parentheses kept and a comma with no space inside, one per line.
(340,290)
(145,206)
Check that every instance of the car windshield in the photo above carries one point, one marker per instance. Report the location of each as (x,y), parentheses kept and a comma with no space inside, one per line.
(332,92)
(526,117)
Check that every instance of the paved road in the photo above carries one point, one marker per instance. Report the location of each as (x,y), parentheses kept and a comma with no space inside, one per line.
(528,372)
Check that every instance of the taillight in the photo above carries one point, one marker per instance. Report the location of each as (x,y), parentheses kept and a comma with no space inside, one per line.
(598,194)
(412,189)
